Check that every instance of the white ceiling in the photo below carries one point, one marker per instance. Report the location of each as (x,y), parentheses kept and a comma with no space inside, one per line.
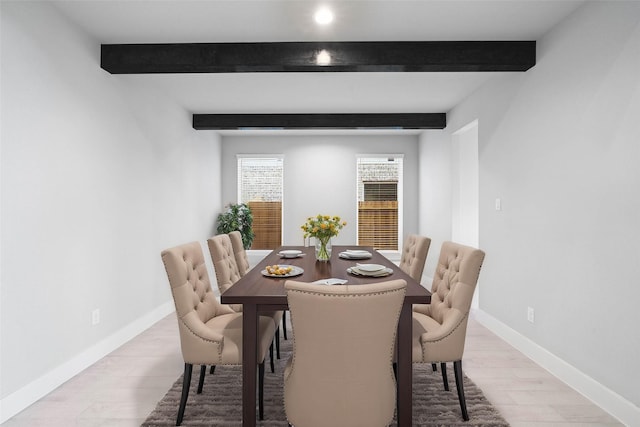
(155,21)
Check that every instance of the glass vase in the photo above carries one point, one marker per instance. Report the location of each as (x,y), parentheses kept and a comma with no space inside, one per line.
(323,249)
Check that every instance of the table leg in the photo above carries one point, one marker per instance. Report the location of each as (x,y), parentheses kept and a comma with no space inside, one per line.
(249,363)
(405,367)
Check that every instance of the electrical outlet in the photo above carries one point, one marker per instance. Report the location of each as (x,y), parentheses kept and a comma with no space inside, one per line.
(530,314)
(95,317)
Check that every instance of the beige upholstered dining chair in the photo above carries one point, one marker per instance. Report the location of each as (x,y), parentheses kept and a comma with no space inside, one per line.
(223,256)
(340,372)
(439,328)
(242,261)
(224,264)
(210,333)
(414,254)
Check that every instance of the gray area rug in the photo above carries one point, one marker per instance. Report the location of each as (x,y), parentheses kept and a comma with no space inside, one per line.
(220,403)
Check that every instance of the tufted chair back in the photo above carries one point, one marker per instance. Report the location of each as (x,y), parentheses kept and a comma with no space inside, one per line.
(195,302)
(224,264)
(240,253)
(414,255)
(455,279)
(341,372)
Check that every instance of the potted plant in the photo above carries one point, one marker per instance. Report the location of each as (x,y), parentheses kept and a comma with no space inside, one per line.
(237,216)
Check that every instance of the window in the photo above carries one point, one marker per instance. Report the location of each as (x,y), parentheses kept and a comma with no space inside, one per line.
(379,201)
(260,187)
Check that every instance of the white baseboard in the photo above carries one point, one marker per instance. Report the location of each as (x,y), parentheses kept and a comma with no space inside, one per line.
(616,405)
(37,389)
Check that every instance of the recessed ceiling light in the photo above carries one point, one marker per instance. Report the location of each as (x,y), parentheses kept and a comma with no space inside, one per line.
(323,16)
(323,58)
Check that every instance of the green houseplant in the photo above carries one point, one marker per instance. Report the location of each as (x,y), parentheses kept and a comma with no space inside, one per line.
(237,216)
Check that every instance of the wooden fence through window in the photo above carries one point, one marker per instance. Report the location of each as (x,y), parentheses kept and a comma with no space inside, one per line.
(267,224)
(378,224)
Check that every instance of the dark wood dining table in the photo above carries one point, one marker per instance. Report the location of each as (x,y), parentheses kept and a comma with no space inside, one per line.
(258,293)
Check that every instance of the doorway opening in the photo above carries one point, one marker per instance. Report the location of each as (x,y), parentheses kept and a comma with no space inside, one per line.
(465,189)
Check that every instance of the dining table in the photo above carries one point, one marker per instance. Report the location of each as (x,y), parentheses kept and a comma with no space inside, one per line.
(258,292)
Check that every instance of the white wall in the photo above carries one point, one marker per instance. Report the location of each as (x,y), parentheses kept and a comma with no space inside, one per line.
(559,145)
(320,176)
(99,173)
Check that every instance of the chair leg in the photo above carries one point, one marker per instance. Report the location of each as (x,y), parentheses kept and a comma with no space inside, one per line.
(278,341)
(203,371)
(457,370)
(261,391)
(273,369)
(212,370)
(434,367)
(186,383)
(284,324)
(443,368)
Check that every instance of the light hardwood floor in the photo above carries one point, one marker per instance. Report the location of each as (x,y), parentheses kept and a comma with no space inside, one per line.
(124,387)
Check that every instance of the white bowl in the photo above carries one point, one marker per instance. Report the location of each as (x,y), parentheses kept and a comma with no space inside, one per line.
(290,253)
(357,252)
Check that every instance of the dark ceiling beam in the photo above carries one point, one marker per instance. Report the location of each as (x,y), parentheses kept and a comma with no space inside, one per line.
(408,56)
(320,121)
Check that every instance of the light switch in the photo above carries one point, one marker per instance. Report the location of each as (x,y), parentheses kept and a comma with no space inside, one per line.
(498,204)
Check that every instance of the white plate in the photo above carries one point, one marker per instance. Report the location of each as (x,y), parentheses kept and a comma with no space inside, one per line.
(357,252)
(354,254)
(295,271)
(380,273)
(290,253)
(370,267)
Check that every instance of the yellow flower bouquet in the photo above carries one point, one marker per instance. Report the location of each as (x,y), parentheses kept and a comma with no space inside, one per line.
(323,228)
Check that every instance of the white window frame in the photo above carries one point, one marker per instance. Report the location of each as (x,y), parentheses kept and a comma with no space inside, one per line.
(281,157)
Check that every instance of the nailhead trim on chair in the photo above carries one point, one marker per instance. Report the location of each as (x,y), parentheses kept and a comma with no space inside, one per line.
(442,338)
(198,336)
